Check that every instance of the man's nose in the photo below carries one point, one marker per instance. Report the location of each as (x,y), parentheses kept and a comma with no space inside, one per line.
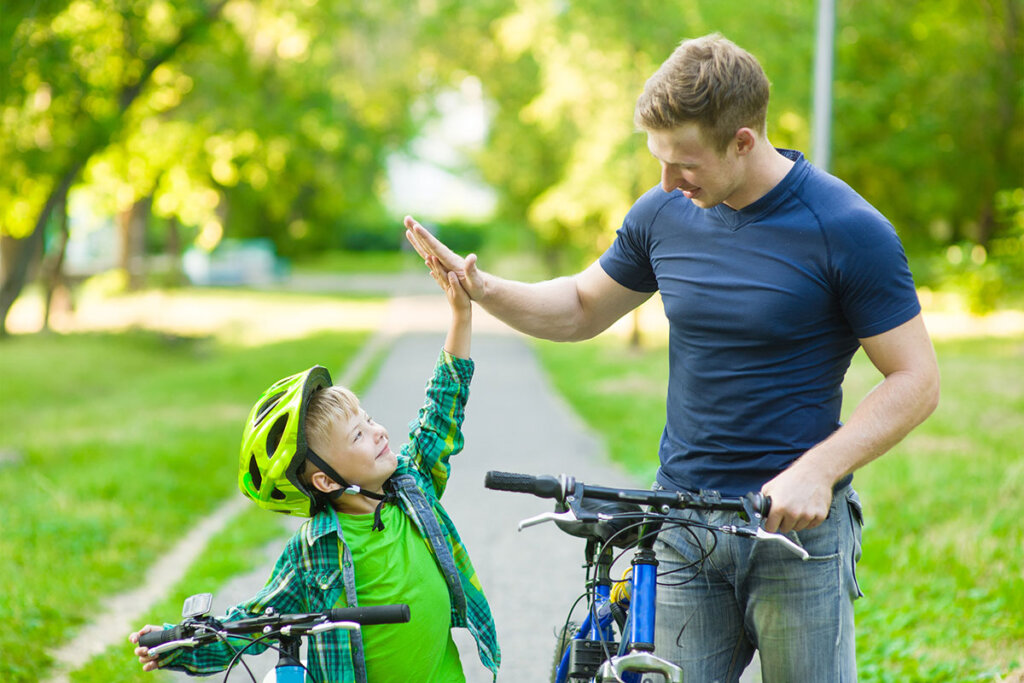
(669,178)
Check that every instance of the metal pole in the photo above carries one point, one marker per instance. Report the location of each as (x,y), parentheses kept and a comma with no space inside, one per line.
(821,129)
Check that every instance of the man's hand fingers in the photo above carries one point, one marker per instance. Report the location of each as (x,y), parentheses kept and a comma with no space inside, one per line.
(411,238)
(432,245)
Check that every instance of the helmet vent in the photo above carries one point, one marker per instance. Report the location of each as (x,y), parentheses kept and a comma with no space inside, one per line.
(277,495)
(254,472)
(266,407)
(274,435)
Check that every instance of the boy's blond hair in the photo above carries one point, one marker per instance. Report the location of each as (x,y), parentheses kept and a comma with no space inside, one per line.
(709,81)
(326,406)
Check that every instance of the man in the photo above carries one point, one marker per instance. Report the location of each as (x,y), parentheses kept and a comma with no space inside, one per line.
(772,274)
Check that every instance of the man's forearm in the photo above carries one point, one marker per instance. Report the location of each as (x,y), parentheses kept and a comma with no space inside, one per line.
(549,309)
(886,415)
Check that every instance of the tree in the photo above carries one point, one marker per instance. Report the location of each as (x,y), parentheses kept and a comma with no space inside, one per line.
(59,117)
(564,151)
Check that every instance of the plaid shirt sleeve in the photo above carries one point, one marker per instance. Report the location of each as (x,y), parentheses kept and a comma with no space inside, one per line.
(436,435)
(281,592)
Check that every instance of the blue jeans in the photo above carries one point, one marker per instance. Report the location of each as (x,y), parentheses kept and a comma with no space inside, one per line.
(757,595)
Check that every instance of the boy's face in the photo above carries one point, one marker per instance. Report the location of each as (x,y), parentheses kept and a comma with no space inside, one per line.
(360,451)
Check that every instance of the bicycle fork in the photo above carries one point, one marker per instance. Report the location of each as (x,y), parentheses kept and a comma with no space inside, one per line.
(595,634)
(641,622)
(289,668)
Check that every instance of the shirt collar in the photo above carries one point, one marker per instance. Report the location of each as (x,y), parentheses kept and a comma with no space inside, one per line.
(322,523)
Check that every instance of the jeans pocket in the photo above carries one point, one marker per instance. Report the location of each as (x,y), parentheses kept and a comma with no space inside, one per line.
(856,514)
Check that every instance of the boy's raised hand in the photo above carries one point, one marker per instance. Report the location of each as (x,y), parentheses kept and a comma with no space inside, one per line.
(441,260)
(460,328)
(458,299)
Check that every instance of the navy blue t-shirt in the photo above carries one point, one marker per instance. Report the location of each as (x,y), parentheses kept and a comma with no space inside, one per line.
(765,308)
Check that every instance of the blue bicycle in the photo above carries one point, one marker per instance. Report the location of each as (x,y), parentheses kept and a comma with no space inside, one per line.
(610,519)
(286,630)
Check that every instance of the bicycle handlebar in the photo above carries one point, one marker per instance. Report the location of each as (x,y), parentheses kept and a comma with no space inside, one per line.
(168,635)
(369,616)
(559,488)
(569,493)
(542,487)
(191,632)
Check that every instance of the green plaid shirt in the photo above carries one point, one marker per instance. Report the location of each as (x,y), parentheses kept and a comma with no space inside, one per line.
(310,577)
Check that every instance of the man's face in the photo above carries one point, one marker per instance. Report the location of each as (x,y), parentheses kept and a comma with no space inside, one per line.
(359,450)
(693,166)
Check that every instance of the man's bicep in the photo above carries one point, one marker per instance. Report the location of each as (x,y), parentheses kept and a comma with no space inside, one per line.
(603,300)
(905,348)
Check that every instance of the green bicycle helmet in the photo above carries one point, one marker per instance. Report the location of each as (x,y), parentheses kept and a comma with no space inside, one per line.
(274,448)
(274,445)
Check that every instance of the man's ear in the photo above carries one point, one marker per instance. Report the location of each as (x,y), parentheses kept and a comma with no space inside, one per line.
(745,141)
(321,482)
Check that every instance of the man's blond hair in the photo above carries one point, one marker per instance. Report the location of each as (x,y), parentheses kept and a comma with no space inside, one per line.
(709,81)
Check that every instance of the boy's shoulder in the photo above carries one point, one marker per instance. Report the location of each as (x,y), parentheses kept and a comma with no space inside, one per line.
(312,533)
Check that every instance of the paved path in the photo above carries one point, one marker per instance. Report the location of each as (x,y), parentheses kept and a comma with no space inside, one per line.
(515,421)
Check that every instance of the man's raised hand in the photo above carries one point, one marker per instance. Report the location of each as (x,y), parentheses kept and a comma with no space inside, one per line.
(441,260)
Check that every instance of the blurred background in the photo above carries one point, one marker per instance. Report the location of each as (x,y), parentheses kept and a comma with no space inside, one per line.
(166,141)
(200,196)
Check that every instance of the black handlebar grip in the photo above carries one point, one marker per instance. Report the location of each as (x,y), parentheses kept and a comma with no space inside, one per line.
(542,487)
(509,481)
(377,614)
(154,638)
(761,503)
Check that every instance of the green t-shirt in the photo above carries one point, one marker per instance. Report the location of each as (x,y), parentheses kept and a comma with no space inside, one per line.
(396,566)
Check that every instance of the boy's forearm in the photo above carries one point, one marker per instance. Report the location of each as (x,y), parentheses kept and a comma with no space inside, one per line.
(460,333)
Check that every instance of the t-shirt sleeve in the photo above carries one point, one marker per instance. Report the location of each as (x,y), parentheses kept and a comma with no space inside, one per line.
(876,288)
(627,260)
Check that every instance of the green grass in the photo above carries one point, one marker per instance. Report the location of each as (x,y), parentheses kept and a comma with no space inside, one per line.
(235,550)
(114,446)
(944,545)
(360,262)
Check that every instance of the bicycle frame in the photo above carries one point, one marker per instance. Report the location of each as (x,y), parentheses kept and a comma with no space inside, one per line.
(289,668)
(635,653)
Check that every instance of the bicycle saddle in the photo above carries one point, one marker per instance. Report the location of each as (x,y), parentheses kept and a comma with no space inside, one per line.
(603,530)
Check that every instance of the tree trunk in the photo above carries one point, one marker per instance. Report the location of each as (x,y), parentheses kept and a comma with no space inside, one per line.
(132,227)
(25,251)
(53,263)
(176,277)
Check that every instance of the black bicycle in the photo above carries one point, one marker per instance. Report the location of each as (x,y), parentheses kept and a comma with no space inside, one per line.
(280,632)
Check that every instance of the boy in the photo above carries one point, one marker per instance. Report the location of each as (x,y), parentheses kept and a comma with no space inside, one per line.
(378,533)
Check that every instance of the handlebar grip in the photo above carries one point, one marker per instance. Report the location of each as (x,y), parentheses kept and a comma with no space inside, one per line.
(542,487)
(761,503)
(376,614)
(154,638)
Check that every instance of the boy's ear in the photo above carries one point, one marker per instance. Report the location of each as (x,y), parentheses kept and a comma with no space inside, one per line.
(321,482)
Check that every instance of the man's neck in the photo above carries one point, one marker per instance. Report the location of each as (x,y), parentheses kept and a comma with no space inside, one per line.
(765,170)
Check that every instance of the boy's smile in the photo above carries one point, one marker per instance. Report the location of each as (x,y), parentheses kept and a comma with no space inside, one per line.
(360,451)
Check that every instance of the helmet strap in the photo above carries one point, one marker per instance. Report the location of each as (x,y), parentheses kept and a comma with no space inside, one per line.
(354,489)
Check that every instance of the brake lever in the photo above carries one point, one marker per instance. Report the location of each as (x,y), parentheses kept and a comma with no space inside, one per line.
(566,516)
(762,535)
(172,645)
(332,625)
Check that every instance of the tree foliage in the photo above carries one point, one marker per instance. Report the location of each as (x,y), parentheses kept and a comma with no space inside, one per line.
(277,119)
